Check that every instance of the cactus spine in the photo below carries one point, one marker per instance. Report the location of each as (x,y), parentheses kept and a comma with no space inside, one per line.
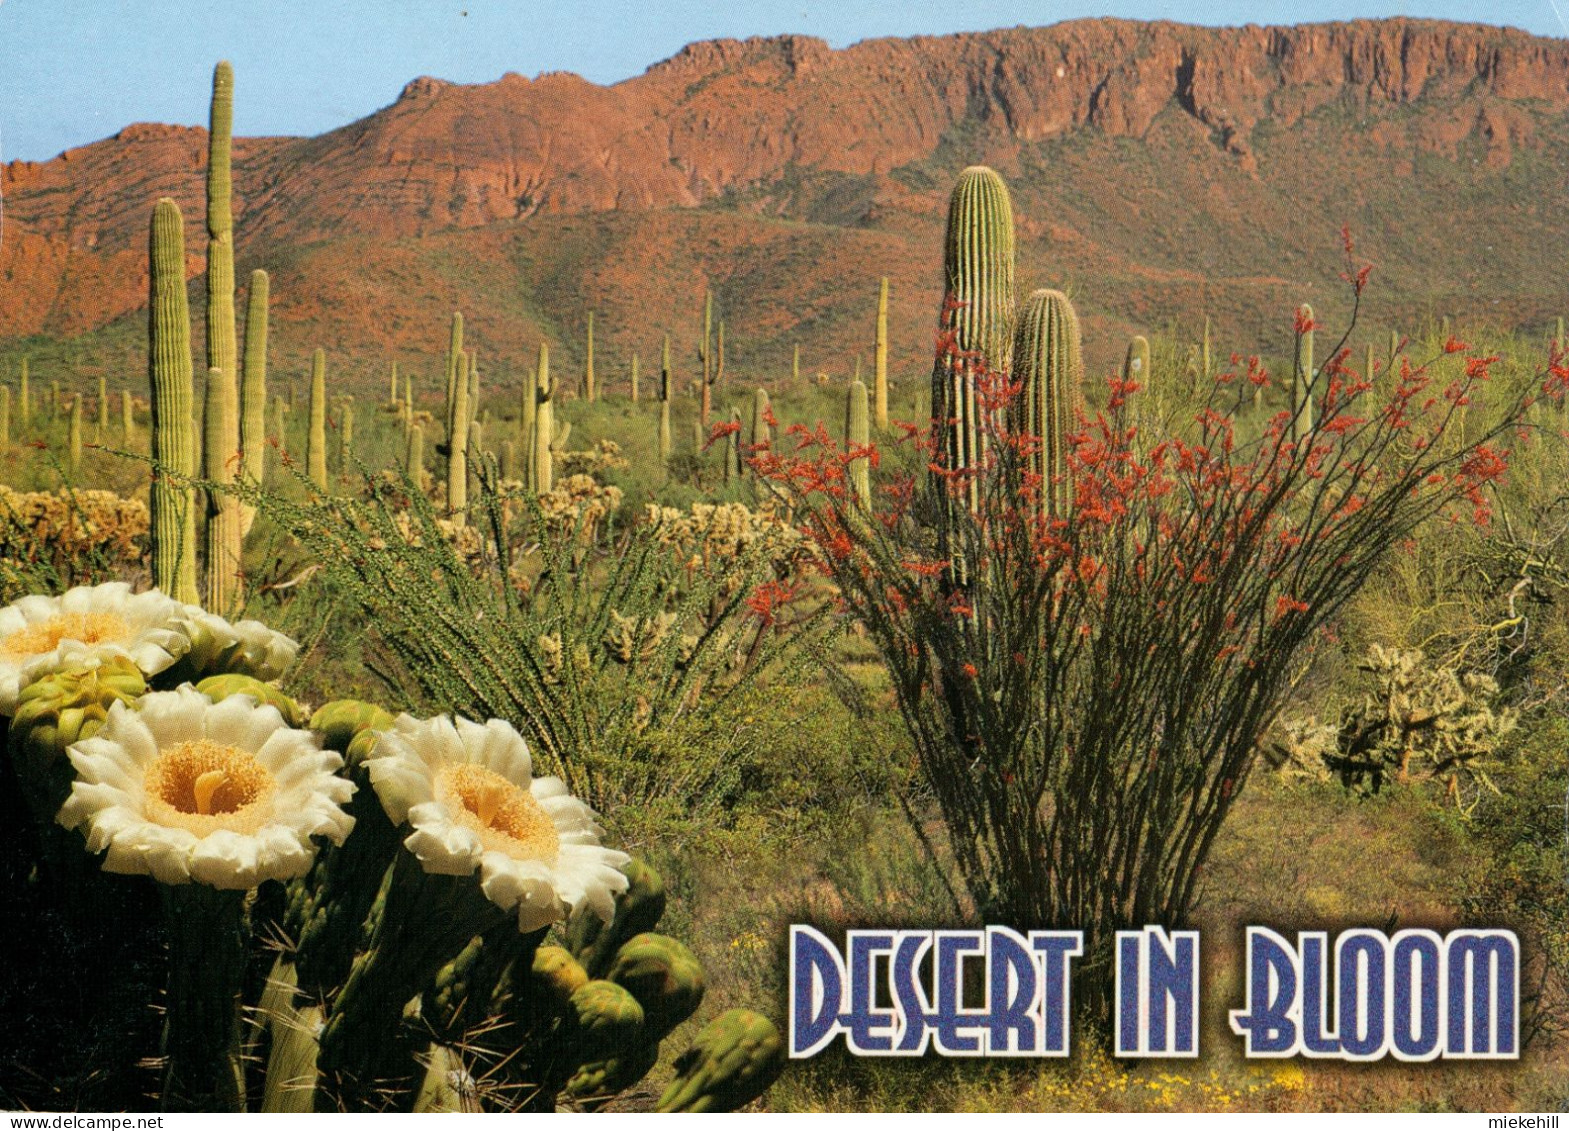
(458,445)
(1302,377)
(316,437)
(880,375)
(253,390)
(978,261)
(1049,367)
(858,437)
(589,389)
(544,424)
(666,445)
(223,519)
(75,437)
(173,509)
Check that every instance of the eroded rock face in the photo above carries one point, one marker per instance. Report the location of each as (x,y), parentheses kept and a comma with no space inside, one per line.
(727,115)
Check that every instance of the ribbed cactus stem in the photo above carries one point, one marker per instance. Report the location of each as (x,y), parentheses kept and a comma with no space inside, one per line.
(454,347)
(74,445)
(857,437)
(762,412)
(1302,377)
(103,409)
(223,512)
(509,459)
(880,374)
(345,437)
(471,363)
(978,268)
(458,445)
(408,404)
(733,447)
(705,354)
(1368,364)
(634,378)
(222,349)
(173,499)
(253,389)
(544,424)
(316,437)
(414,457)
(590,391)
(1049,369)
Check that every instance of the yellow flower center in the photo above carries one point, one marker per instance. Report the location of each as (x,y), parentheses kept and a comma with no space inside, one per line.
(45,636)
(205,786)
(503,813)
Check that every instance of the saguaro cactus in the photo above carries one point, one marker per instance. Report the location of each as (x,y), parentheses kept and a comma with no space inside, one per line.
(5,416)
(280,408)
(666,445)
(458,444)
(762,412)
(103,409)
(345,435)
(223,517)
(857,437)
(589,389)
(1049,368)
(24,406)
(705,355)
(127,417)
(253,389)
(634,378)
(74,448)
(454,347)
(530,408)
(316,437)
(173,499)
(880,375)
(733,447)
(795,366)
(978,262)
(392,391)
(1302,377)
(544,424)
(414,457)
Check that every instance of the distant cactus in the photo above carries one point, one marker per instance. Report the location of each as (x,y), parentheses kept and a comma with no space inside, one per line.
(509,459)
(393,399)
(666,446)
(1049,369)
(719,357)
(634,378)
(74,446)
(978,266)
(127,417)
(795,366)
(222,348)
(223,515)
(880,373)
(762,412)
(1206,367)
(103,409)
(408,404)
(544,424)
(529,407)
(414,457)
(55,401)
(24,406)
(173,509)
(1136,371)
(471,362)
(1302,377)
(316,436)
(733,447)
(454,347)
(857,437)
(705,355)
(345,436)
(589,389)
(5,417)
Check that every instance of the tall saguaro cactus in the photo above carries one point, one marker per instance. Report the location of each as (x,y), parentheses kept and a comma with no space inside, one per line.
(454,347)
(666,441)
(1302,377)
(705,355)
(127,418)
(762,413)
(1048,366)
(590,390)
(74,445)
(458,444)
(544,424)
(857,437)
(316,437)
(880,374)
(529,409)
(414,457)
(978,259)
(103,409)
(173,499)
(223,518)
(253,389)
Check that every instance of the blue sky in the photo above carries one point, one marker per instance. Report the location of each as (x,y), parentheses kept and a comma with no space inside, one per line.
(74,71)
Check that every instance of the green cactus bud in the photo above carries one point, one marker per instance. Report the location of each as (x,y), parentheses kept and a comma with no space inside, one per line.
(664,976)
(638,909)
(606,1017)
(316,438)
(1049,368)
(602,1080)
(857,437)
(173,499)
(342,720)
(57,710)
(219,687)
(733,1060)
(555,975)
(1302,377)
